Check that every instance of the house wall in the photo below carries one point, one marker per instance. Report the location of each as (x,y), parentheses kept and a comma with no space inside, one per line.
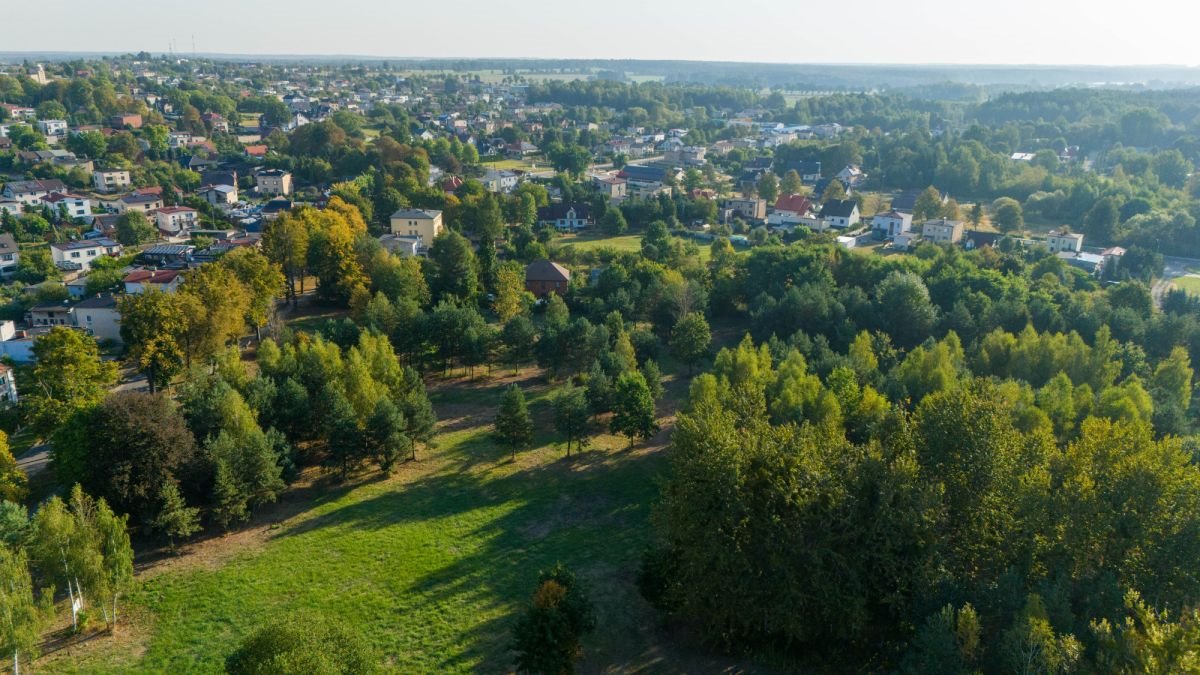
(102,322)
(426,228)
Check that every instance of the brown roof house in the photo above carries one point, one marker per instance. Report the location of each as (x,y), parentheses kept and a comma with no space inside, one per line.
(543,277)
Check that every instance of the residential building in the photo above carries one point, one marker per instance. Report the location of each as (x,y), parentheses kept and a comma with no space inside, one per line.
(10,255)
(53,128)
(790,210)
(424,224)
(565,217)
(79,255)
(110,180)
(613,187)
(840,213)
(49,314)
(686,156)
(405,247)
(125,120)
(256,151)
(274,182)
(8,387)
(174,220)
(139,281)
(750,209)
(98,316)
(888,225)
(851,176)
(1064,240)
(1092,263)
(500,180)
(72,205)
(138,201)
(543,277)
(31,192)
(943,231)
(219,195)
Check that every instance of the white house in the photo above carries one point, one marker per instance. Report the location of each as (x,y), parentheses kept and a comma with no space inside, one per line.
(31,192)
(139,281)
(75,206)
(943,231)
(79,255)
(110,180)
(98,316)
(53,128)
(499,181)
(1064,240)
(10,255)
(840,213)
(888,225)
(790,210)
(138,201)
(566,217)
(173,220)
(219,195)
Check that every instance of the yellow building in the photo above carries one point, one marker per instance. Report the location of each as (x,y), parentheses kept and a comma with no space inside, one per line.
(425,224)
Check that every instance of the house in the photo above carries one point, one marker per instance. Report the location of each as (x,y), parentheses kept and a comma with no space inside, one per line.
(975,239)
(888,225)
(750,209)
(110,180)
(521,149)
(79,255)
(543,277)
(275,207)
(256,151)
(424,224)
(499,180)
(641,175)
(274,182)
(173,220)
(31,192)
(139,281)
(125,120)
(906,202)
(104,225)
(53,128)
(166,254)
(10,255)
(218,195)
(809,171)
(138,201)
(1064,240)
(905,241)
(943,231)
(1091,263)
(8,386)
(220,177)
(851,176)
(405,247)
(71,205)
(565,217)
(49,314)
(11,207)
(613,187)
(686,156)
(98,316)
(790,210)
(840,213)
(215,122)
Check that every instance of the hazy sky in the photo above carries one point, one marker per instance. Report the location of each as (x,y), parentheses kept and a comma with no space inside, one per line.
(791,31)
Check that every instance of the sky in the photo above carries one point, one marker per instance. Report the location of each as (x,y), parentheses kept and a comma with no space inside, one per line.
(1100,32)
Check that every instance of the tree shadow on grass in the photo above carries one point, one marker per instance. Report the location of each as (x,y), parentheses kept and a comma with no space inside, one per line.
(590,512)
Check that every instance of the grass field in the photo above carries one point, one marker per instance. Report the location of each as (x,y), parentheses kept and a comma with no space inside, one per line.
(526,164)
(1189,283)
(624,243)
(430,564)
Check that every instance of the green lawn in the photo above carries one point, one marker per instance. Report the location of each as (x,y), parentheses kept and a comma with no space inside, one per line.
(1189,283)
(524,164)
(431,564)
(625,243)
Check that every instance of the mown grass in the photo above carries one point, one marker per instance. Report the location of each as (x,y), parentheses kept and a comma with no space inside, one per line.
(432,564)
(625,243)
(1189,283)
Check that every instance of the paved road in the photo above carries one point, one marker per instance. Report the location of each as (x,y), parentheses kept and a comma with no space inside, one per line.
(35,460)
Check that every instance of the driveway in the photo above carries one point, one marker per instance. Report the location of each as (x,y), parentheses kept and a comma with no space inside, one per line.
(35,460)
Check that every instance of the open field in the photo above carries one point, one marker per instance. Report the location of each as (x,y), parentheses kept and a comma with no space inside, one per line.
(524,164)
(1189,283)
(431,563)
(625,243)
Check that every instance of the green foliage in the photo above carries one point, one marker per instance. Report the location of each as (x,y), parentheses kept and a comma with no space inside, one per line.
(514,426)
(547,636)
(303,643)
(633,407)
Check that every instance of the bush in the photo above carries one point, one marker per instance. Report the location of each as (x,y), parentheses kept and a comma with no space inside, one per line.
(546,638)
(302,644)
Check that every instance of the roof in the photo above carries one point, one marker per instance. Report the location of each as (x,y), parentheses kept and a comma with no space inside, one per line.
(98,301)
(256,150)
(417,214)
(838,208)
(559,211)
(7,243)
(274,173)
(141,198)
(151,276)
(906,201)
(176,209)
(544,270)
(51,185)
(942,222)
(895,215)
(85,243)
(645,174)
(795,203)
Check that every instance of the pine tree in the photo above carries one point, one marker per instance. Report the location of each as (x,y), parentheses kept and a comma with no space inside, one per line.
(384,434)
(514,427)
(229,502)
(571,415)
(633,408)
(176,519)
(653,377)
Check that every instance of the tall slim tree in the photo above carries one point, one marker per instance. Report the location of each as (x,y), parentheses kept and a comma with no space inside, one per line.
(514,426)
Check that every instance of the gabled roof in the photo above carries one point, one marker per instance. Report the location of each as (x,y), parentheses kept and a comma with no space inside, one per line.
(559,211)
(98,301)
(151,276)
(795,203)
(838,208)
(544,270)
(138,198)
(417,214)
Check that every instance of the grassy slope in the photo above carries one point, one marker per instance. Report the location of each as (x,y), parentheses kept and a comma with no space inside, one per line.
(430,564)
(1189,283)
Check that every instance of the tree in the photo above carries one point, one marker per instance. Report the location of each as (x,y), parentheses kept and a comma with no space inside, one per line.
(690,339)
(111,536)
(175,518)
(791,183)
(22,617)
(224,304)
(613,222)
(343,435)
(455,274)
(904,306)
(834,191)
(633,408)
(768,187)
(518,338)
(303,644)
(976,216)
(928,205)
(68,376)
(653,377)
(133,229)
(384,434)
(512,299)
(514,426)
(13,482)
(547,636)
(263,280)
(153,327)
(1007,215)
(571,415)
(285,242)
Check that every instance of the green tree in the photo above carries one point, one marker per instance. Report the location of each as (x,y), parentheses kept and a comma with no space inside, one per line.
(928,205)
(768,187)
(514,426)
(13,481)
(175,519)
(153,328)
(1007,215)
(633,408)
(22,616)
(285,243)
(547,635)
(68,376)
(571,415)
(518,338)
(835,190)
(690,339)
(263,280)
(512,299)
(384,434)
(613,222)
(133,229)
(455,275)
(791,183)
